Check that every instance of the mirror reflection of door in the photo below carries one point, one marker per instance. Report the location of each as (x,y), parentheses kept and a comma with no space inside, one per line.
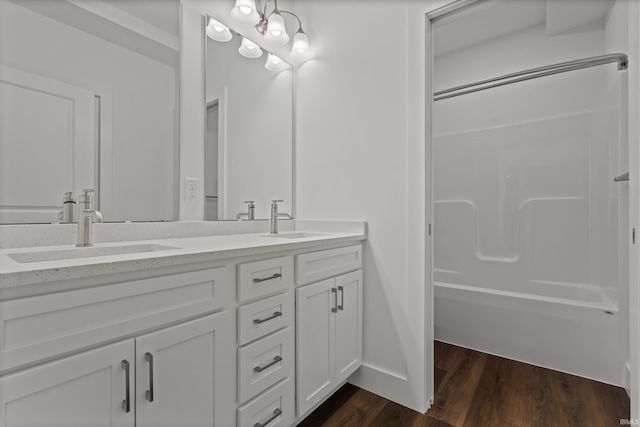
(46,145)
(211,163)
(57,58)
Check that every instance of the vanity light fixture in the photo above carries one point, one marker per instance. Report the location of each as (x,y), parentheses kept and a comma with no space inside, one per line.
(249,49)
(300,48)
(218,31)
(276,33)
(275,64)
(271,25)
(245,12)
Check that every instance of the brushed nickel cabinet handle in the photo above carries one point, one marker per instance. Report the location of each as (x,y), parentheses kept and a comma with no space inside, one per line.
(335,300)
(275,276)
(275,314)
(276,414)
(341,306)
(262,368)
(126,403)
(149,394)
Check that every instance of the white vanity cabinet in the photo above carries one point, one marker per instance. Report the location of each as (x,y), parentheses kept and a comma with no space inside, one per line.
(329,324)
(167,377)
(229,342)
(117,384)
(87,389)
(176,373)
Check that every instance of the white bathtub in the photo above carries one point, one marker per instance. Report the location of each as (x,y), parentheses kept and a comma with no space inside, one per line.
(569,328)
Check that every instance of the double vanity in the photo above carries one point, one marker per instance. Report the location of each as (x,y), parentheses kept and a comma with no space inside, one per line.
(190,329)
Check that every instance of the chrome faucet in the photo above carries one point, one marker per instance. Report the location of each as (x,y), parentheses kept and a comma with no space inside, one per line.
(251,212)
(86,217)
(68,212)
(275,215)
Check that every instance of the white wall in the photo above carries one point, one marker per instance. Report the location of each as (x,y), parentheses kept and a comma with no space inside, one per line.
(360,155)
(633,132)
(142,95)
(615,34)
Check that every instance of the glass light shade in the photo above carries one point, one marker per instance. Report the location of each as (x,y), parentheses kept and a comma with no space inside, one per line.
(300,48)
(275,64)
(276,32)
(249,49)
(218,31)
(244,12)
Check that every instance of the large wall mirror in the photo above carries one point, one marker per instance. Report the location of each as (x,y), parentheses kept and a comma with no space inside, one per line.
(89,99)
(249,131)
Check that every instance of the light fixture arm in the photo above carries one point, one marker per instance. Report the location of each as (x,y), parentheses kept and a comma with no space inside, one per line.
(271,24)
(262,12)
(295,16)
(275,6)
(261,26)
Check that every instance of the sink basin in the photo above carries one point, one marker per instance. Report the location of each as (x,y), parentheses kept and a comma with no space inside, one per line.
(74,253)
(299,235)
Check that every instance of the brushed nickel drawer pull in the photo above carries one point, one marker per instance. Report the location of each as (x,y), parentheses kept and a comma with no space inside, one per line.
(149,394)
(262,368)
(275,314)
(275,276)
(126,403)
(341,306)
(276,414)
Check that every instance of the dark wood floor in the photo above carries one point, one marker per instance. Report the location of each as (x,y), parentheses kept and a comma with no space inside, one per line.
(474,389)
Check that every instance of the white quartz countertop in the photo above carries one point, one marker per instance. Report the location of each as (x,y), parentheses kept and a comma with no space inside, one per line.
(186,250)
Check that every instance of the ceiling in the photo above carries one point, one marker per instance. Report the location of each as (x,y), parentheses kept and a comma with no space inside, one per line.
(149,27)
(489,19)
(159,13)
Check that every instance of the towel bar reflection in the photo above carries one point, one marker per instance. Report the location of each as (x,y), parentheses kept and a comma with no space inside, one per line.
(623,177)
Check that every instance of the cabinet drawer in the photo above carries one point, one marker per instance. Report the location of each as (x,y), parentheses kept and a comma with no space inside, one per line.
(260,318)
(261,278)
(41,327)
(272,408)
(316,266)
(264,363)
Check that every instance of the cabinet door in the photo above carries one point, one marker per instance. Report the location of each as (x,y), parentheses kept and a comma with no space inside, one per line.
(348,325)
(315,343)
(87,389)
(176,369)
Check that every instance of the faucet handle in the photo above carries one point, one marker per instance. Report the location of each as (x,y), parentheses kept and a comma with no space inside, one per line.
(250,202)
(278,201)
(85,197)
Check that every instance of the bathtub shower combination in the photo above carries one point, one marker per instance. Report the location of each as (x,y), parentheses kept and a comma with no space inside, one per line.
(529,252)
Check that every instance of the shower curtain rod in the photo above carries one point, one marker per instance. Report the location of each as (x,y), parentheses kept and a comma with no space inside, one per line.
(533,73)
